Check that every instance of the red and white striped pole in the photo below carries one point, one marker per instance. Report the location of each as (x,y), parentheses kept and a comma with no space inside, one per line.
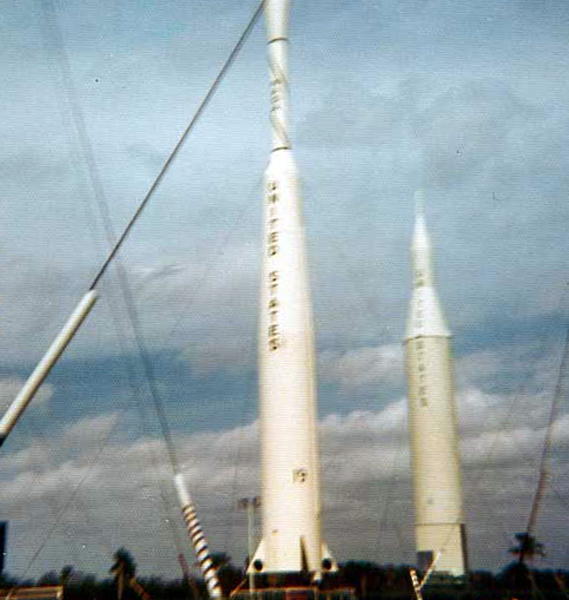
(197,538)
(416,584)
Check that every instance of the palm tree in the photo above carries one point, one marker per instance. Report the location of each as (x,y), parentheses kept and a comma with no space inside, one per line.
(124,569)
(528,547)
(65,574)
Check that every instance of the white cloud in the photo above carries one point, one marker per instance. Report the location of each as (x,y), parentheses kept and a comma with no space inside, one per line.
(531,364)
(89,432)
(11,386)
(362,367)
(366,476)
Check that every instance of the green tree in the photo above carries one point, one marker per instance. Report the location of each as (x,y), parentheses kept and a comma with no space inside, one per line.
(65,574)
(528,547)
(49,578)
(228,574)
(123,569)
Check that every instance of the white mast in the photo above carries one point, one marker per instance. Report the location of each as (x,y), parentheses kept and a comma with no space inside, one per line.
(439,526)
(287,384)
(34,381)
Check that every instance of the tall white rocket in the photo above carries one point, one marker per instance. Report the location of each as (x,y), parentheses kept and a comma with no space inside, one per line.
(291,539)
(439,527)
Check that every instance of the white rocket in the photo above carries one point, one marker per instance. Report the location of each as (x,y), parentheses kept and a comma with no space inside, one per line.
(439,527)
(291,539)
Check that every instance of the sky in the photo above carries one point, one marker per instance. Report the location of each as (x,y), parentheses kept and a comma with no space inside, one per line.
(464,99)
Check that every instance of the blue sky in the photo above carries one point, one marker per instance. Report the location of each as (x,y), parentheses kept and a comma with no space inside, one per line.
(464,99)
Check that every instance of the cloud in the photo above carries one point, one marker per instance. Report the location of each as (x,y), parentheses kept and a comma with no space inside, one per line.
(464,130)
(10,388)
(231,356)
(362,367)
(89,432)
(368,120)
(127,495)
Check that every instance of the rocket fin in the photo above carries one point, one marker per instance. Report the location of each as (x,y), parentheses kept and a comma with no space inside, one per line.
(329,563)
(259,558)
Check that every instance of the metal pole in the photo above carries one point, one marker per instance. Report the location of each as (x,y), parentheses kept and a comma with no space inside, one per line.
(250,504)
(43,368)
(197,537)
(250,549)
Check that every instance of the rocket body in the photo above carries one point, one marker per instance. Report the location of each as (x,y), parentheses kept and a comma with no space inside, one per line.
(290,476)
(439,526)
(287,387)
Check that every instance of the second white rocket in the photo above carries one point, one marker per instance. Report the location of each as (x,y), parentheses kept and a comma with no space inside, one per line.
(439,524)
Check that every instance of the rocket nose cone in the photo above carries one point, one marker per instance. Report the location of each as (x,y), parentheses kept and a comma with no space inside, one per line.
(420,235)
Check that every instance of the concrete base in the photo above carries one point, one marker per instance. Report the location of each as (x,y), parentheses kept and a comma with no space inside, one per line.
(289,591)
